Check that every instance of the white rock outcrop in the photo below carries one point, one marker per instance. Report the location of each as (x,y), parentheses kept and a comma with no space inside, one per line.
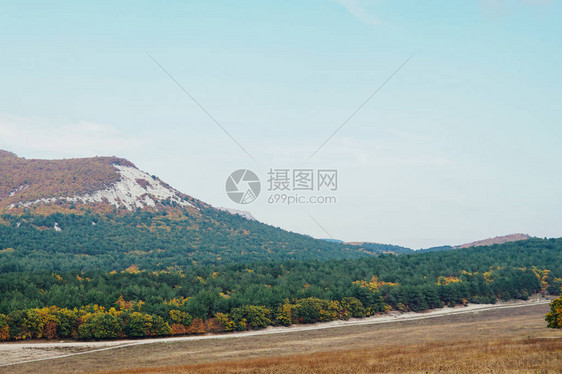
(135,189)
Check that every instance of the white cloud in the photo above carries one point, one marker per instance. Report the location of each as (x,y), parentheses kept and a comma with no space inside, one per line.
(358,11)
(61,136)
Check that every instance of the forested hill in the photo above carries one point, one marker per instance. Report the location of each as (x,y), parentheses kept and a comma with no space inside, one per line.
(96,249)
(480,243)
(105,213)
(152,240)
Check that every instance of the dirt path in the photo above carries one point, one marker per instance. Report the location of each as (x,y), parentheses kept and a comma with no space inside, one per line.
(21,353)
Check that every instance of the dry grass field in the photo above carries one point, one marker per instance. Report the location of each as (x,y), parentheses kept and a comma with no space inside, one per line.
(503,340)
(502,355)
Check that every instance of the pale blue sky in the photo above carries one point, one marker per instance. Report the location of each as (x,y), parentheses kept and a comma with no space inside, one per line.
(463,143)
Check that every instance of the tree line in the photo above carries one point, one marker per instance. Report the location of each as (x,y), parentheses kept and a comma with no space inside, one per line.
(208,298)
(97,304)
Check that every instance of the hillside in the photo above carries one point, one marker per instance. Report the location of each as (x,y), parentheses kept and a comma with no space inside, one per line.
(103,212)
(99,183)
(87,242)
(91,243)
(389,248)
(496,240)
(64,213)
(480,243)
(383,248)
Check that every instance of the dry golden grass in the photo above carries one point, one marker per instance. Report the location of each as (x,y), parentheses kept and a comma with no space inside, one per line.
(496,356)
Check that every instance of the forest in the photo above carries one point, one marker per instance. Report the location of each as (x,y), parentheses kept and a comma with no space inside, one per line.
(152,240)
(149,301)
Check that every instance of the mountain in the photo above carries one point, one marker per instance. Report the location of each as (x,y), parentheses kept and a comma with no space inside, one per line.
(103,212)
(481,243)
(99,183)
(94,239)
(496,240)
(390,248)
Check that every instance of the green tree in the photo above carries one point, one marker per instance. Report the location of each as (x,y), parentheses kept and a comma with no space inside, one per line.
(312,310)
(33,324)
(284,315)
(250,316)
(160,327)
(67,321)
(137,324)
(353,307)
(180,317)
(15,322)
(100,326)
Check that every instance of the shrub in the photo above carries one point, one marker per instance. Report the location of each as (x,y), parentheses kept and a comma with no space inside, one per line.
(250,316)
(225,321)
(33,324)
(100,326)
(312,310)
(15,322)
(285,314)
(180,317)
(354,307)
(554,317)
(138,324)
(67,322)
(213,325)
(160,327)
(178,329)
(197,327)
(4,328)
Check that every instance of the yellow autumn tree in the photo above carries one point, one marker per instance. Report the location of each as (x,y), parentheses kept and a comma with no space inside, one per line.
(4,328)
(554,317)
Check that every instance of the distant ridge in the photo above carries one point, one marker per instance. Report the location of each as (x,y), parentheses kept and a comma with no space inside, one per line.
(481,243)
(389,248)
(495,240)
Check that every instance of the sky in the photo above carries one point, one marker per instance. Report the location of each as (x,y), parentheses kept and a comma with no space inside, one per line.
(461,143)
